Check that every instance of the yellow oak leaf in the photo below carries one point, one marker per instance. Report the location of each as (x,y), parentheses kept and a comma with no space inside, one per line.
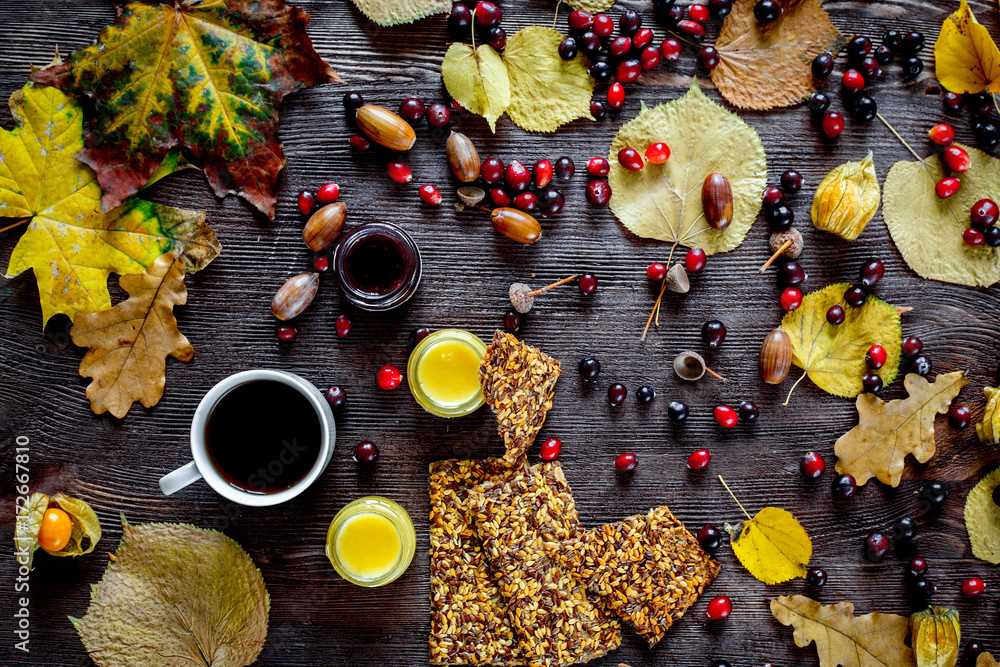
(130,342)
(833,356)
(847,199)
(988,429)
(477,79)
(966,60)
(982,519)
(69,244)
(936,637)
(843,639)
(887,432)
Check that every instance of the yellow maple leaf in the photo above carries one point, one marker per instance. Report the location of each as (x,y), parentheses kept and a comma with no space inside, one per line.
(966,59)
(887,432)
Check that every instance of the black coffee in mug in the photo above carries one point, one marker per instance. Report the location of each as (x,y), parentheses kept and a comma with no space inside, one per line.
(263,436)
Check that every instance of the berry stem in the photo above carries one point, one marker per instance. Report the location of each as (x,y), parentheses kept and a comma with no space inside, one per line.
(555,284)
(893,130)
(715,375)
(789,397)
(472,23)
(16,224)
(686,41)
(768,263)
(554,18)
(663,288)
(733,496)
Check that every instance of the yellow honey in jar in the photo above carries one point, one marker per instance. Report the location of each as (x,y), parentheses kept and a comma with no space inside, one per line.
(371,541)
(443,373)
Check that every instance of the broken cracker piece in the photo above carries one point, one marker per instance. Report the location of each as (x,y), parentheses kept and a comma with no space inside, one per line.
(518,382)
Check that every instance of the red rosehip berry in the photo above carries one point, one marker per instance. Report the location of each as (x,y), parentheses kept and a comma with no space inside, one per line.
(726,416)
(670,49)
(833,124)
(430,194)
(388,377)
(550,449)
(598,193)
(328,194)
(942,134)
(542,173)
(973,587)
(772,195)
(616,95)
(656,271)
(692,28)
(658,153)
(957,159)
(698,12)
(649,58)
(630,159)
(307,202)
(359,143)
(852,80)
(321,262)
(399,172)
(286,333)
(876,357)
(695,260)
(973,237)
(598,167)
(947,186)
(626,462)
(813,465)
(699,459)
(343,326)
(791,298)
(720,608)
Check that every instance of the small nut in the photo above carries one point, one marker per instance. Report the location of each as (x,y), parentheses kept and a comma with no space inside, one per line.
(462,157)
(470,195)
(324,226)
(778,239)
(775,357)
(689,366)
(677,279)
(294,296)
(717,199)
(520,297)
(516,225)
(386,128)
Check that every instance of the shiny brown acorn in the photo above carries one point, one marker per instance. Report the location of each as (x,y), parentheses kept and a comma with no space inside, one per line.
(462,157)
(386,128)
(324,226)
(516,225)
(294,296)
(775,357)
(717,200)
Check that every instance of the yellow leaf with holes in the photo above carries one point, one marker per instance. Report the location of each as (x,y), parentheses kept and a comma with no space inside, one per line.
(982,519)
(988,429)
(966,60)
(773,546)
(936,636)
(477,79)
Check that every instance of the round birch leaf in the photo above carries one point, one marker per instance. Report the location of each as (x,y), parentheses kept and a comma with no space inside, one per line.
(773,546)
(478,80)
(663,201)
(395,12)
(982,519)
(545,90)
(847,199)
(928,230)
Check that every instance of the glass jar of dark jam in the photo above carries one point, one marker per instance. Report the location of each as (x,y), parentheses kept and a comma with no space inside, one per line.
(378,266)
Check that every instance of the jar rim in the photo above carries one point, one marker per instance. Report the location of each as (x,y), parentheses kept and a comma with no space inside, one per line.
(399,294)
(400,520)
(467,338)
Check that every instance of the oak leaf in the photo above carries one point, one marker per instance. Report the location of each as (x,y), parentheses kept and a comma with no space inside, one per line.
(966,60)
(928,230)
(205,75)
(395,12)
(129,343)
(872,640)
(936,637)
(887,432)
(847,199)
(663,201)
(69,244)
(982,519)
(176,595)
(988,429)
(767,65)
(86,527)
(833,356)
(477,79)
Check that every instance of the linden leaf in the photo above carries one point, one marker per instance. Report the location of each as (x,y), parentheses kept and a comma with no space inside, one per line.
(847,199)
(207,76)
(936,636)
(592,6)
(887,432)
(966,60)
(69,244)
(663,201)
(129,343)
(834,356)
(176,595)
(986,660)
(982,519)
(545,90)
(842,638)
(988,429)
(478,80)
(86,527)
(395,12)
(928,230)
(767,65)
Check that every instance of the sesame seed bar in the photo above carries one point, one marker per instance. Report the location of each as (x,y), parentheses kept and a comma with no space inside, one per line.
(556,621)
(518,382)
(647,569)
(469,620)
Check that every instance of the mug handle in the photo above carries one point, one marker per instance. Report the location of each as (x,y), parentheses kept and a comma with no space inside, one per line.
(175,481)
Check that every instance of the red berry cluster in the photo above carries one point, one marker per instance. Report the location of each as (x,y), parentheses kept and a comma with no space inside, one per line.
(511,184)
(485,15)
(984,229)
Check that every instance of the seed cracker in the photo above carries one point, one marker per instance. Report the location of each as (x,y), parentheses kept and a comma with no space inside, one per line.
(647,569)
(469,620)
(556,620)
(518,381)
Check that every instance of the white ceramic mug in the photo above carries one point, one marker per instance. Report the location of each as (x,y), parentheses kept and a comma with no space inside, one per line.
(201,467)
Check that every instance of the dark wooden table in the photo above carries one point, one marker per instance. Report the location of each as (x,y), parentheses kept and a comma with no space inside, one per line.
(317,618)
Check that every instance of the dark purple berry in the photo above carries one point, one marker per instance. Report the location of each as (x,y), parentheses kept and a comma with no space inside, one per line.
(678,412)
(876,546)
(844,486)
(921,365)
(713,333)
(589,368)
(617,393)
(856,296)
(567,49)
(512,321)
(816,577)
(822,65)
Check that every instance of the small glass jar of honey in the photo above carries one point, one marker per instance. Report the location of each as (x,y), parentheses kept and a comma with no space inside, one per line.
(443,373)
(371,541)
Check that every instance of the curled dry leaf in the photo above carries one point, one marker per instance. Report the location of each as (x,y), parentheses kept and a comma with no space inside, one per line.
(887,432)
(834,356)
(206,76)
(982,519)
(847,199)
(69,244)
(986,660)
(928,230)
(936,637)
(129,343)
(477,79)
(843,639)
(966,60)
(663,201)
(395,12)
(175,594)
(86,527)
(767,65)
(988,429)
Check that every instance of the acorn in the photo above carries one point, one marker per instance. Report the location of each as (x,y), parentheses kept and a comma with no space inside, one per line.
(677,279)
(516,225)
(386,128)
(775,357)
(294,296)
(717,200)
(785,243)
(324,226)
(462,157)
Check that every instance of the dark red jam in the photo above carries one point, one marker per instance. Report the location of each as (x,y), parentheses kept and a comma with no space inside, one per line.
(378,266)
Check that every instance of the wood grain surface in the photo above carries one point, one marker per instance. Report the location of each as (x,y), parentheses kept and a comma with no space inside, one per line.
(319,619)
